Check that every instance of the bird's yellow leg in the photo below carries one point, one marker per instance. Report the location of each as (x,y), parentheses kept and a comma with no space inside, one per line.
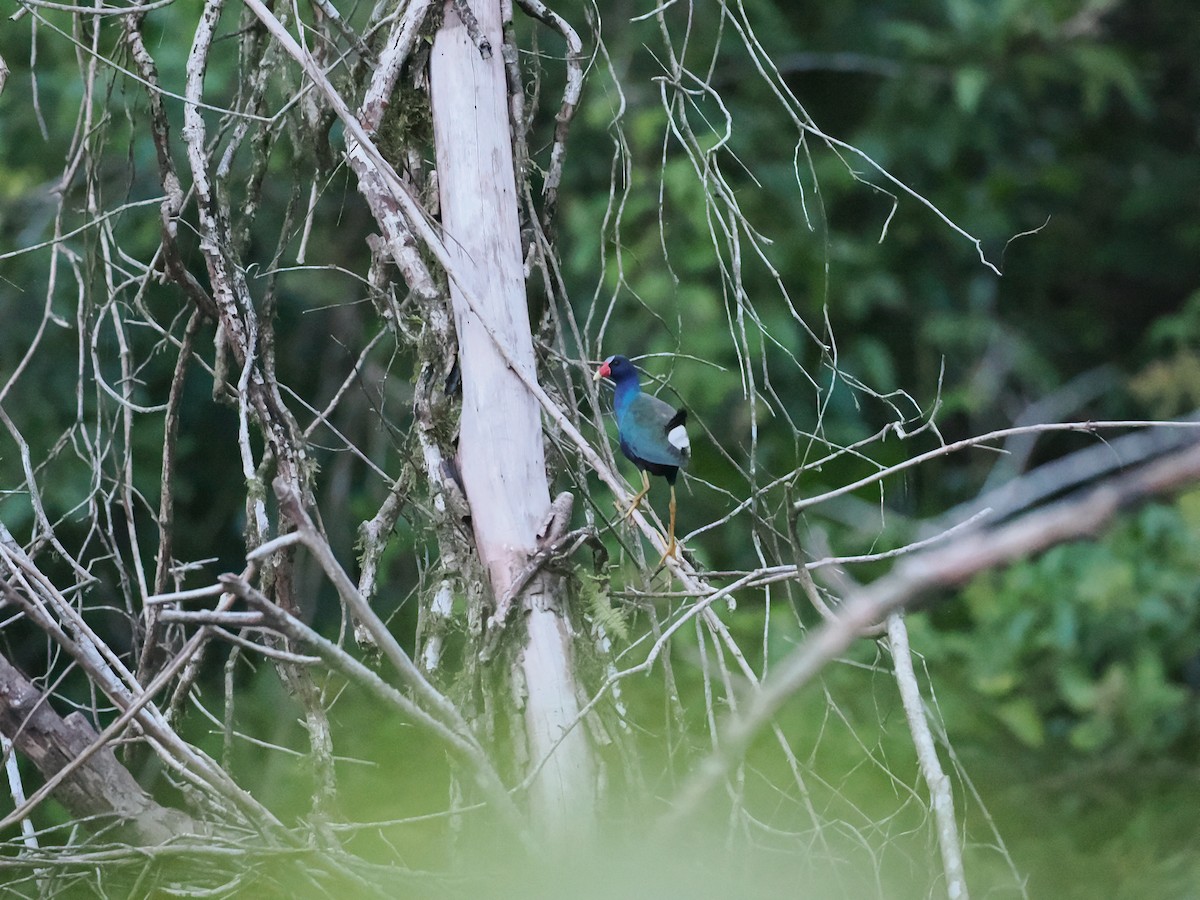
(671,545)
(640,494)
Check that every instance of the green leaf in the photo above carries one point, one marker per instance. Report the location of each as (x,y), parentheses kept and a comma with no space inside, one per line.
(969,85)
(1092,734)
(1077,687)
(1022,718)
(600,606)
(1106,70)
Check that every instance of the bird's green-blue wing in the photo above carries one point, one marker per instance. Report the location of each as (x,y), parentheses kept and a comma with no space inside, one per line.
(654,431)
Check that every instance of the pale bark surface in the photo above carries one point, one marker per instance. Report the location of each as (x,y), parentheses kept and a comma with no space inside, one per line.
(501,455)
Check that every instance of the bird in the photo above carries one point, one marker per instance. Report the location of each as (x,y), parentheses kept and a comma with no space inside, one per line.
(651,432)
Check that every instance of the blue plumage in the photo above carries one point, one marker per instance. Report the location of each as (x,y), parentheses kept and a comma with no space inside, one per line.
(651,432)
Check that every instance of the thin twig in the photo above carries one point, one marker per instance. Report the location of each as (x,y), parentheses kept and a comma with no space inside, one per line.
(941,795)
(459,741)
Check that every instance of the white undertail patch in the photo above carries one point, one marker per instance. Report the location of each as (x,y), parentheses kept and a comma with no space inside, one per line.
(677,438)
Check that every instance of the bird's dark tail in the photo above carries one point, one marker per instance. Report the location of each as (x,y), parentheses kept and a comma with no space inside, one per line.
(677,437)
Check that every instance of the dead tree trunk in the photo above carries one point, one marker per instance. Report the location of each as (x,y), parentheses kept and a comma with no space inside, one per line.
(501,455)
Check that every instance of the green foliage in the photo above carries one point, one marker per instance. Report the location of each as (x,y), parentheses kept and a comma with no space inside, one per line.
(1091,649)
(1169,384)
(594,593)
(1080,665)
(1003,115)
(1074,666)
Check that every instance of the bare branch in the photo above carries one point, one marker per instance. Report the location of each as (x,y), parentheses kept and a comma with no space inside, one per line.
(570,100)
(990,437)
(79,766)
(456,737)
(941,795)
(921,573)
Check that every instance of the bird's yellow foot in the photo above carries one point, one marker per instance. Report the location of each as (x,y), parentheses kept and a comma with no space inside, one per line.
(637,498)
(625,511)
(672,547)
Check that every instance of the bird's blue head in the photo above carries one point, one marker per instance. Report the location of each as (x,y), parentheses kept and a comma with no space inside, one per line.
(619,369)
(625,376)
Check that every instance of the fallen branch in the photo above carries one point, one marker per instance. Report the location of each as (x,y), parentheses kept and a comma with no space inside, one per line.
(95,785)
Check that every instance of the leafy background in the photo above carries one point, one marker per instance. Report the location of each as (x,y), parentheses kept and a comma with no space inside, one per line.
(1068,686)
